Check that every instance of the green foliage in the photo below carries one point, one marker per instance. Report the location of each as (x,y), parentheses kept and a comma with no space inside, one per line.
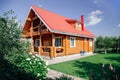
(10,33)
(82,67)
(107,44)
(14,63)
(35,65)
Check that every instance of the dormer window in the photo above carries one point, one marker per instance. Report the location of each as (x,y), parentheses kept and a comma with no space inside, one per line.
(78,24)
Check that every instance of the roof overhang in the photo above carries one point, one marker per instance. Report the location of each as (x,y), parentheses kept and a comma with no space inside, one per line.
(72,34)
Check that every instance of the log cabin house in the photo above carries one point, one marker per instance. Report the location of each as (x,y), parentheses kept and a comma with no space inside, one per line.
(53,35)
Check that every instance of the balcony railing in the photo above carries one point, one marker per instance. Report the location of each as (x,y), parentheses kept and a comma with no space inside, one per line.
(26,34)
(36,33)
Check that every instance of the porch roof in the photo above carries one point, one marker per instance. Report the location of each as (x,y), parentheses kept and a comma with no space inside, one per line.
(58,24)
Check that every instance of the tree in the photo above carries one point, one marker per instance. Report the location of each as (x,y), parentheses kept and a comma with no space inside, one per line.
(108,44)
(99,42)
(14,54)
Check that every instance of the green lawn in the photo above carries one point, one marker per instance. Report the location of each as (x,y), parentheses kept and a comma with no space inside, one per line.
(82,67)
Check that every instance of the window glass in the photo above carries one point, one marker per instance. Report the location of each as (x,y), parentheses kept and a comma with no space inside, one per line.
(37,43)
(72,42)
(58,42)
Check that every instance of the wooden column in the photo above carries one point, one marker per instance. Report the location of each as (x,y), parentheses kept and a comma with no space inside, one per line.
(93,45)
(88,45)
(31,29)
(66,45)
(40,39)
(53,53)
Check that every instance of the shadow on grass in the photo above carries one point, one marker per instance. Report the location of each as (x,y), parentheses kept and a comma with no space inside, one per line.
(85,69)
(117,59)
(10,71)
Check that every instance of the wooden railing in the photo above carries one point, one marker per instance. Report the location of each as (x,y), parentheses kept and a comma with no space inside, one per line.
(46,49)
(52,51)
(44,31)
(26,33)
(36,33)
(59,49)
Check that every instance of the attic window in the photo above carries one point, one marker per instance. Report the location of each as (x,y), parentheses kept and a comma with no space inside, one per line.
(78,24)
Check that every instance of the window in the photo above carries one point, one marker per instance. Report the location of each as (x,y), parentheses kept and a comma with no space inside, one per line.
(58,42)
(72,42)
(78,24)
(37,42)
(90,42)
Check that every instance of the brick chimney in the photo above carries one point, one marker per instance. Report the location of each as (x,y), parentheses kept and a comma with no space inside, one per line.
(82,22)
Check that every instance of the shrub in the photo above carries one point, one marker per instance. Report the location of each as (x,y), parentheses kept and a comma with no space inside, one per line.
(16,63)
(34,64)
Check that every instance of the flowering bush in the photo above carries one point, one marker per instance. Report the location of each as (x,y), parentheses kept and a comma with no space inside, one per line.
(36,65)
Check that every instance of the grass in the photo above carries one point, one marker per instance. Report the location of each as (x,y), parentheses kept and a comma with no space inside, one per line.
(82,67)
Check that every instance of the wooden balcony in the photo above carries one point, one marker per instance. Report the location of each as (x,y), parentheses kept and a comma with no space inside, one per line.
(26,34)
(35,33)
(45,31)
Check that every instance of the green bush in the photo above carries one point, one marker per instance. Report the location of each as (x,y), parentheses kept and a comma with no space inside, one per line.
(35,64)
(15,62)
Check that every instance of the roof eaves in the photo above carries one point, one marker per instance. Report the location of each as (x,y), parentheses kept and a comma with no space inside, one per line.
(72,34)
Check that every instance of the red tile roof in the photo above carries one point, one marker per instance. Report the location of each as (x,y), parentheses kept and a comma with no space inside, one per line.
(58,24)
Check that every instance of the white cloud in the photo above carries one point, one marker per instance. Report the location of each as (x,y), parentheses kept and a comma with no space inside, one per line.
(94,17)
(118,25)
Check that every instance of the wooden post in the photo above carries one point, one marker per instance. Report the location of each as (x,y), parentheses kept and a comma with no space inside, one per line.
(88,45)
(40,45)
(31,29)
(66,45)
(92,45)
(53,53)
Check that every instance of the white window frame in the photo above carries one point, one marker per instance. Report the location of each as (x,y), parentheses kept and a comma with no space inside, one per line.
(37,45)
(61,41)
(91,43)
(74,43)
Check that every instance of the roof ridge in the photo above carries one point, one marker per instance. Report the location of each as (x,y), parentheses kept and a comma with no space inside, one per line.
(52,12)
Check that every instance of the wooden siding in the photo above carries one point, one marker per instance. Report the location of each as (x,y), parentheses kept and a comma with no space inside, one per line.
(47,40)
(77,48)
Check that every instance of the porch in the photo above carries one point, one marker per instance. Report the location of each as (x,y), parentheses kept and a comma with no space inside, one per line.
(51,45)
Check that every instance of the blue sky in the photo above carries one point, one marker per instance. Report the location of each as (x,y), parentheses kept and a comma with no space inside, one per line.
(102,17)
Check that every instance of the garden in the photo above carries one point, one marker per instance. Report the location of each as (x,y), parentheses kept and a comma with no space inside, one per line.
(17,64)
(84,66)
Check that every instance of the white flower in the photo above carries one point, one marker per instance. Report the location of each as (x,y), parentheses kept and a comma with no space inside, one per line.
(46,63)
(37,55)
(35,59)
(38,74)
(28,59)
(48,69)
(39,63)
(33,56)
(30,62)
(30,53)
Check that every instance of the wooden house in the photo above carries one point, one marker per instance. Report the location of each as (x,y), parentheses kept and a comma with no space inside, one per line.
(54,35)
